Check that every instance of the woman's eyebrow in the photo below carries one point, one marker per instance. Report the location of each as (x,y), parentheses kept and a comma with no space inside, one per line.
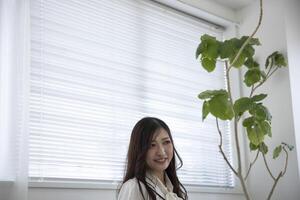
(165,138)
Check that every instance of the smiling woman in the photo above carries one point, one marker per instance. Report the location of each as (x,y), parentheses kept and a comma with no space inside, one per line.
(151,164)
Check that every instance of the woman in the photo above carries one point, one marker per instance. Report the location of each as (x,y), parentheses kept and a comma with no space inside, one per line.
(151,164)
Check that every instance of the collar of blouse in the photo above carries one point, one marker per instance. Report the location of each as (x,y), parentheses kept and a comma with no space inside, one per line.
(160,188)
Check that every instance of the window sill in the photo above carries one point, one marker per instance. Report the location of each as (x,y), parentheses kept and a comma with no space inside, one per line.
(6,182)
(75,184)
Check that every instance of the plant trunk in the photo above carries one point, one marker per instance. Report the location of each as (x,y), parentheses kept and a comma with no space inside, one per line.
(244,187)
(240,174)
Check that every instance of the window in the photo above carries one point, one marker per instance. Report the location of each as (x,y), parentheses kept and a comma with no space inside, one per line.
(99,66)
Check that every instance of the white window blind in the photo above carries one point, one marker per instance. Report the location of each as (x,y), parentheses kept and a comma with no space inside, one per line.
(97,67)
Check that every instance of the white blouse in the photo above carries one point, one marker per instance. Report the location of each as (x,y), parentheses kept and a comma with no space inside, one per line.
(130,189)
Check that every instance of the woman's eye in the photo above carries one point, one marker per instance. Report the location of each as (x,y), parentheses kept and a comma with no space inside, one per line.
(153,145)
(167,142)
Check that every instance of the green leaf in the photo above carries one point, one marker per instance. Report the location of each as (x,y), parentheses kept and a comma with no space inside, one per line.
(240,61)
(262,113)
(253,41)
(275,59)
(201,47)
(266,128)
(259,97)
(252,76)
(290,147)
(263,148)
(227,49)
(277,151)
(270,60)
(253,147)
(207,94)
(241,105)
(250,63)
(249,51)
(280,60)
(211,46)
(221,107)
(209,64)
(248,122)
(255,134)
(205,110)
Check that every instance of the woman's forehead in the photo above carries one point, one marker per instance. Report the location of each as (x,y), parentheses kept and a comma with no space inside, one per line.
(160,134)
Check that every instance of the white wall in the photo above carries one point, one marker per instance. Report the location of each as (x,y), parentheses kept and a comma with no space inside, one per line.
(273,37)
(292,16)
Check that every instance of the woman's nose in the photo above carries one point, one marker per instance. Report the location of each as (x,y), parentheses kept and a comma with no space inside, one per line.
(161,150)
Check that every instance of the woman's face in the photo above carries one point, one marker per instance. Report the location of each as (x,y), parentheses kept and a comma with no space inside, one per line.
(160,153)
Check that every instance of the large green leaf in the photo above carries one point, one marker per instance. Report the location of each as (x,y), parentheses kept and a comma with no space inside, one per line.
(262,113)
(205,110)
(241,105)
(277,151)
(211,46)
(207,94)
(255,134)
(227,49)
(240,61)
(252,76)
(220,107)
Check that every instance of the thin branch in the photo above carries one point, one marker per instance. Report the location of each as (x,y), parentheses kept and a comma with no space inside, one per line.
(286,161)
(228,82)
(251,164)
(269,74)
(249,38)
(281,174)
(274,185)
(267,166)
(221,149)
(219,131)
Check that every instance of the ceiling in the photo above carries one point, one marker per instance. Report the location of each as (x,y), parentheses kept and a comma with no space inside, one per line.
(234,4)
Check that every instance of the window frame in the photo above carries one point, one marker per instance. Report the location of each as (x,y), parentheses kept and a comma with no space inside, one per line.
(98,184)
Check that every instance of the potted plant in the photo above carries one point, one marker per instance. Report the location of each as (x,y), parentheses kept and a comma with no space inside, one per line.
(236,54)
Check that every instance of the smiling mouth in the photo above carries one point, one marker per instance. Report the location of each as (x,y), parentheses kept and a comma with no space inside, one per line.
(162,160)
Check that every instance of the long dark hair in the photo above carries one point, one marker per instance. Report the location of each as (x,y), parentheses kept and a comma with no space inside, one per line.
(136,167)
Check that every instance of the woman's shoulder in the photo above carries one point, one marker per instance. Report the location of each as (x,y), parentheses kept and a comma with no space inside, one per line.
(131,190)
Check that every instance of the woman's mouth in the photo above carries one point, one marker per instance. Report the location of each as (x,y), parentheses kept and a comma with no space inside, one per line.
(162,160)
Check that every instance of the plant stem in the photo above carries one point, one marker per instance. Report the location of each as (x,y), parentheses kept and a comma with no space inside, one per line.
(221,149)
(267,166)
(251,164)
(274,185)
(286,160)
(239,173)
(281,174)
(249,38)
